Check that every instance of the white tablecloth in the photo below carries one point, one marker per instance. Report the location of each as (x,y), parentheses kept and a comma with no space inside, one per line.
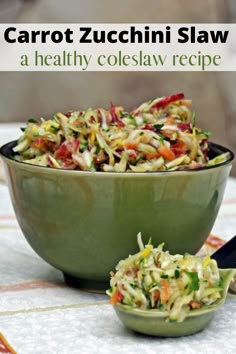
(39,314)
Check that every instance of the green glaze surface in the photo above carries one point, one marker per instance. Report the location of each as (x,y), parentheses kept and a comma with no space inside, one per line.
(153,322)
(83,223)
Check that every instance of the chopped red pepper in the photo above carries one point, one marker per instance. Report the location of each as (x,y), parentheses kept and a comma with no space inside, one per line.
(179,148)
(204,149)
(76,145)
(149,127)
(92,119)
(166,100)
(64,151)
(68,114)
(49,161)
(113,112)
(114,116)
(99,116)
(180,144)
(177,151)
(120,123)
(184,127)
(204,141)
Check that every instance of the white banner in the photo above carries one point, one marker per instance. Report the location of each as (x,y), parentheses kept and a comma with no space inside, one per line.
(117,47)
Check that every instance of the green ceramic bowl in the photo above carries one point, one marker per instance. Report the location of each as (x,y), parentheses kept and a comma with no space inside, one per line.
(153,322)
(83,223)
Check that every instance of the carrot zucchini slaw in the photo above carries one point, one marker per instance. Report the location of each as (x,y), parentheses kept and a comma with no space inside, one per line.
(174,284)
(159,135)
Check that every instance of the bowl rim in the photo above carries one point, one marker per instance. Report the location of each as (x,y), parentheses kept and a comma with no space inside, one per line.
(101,173)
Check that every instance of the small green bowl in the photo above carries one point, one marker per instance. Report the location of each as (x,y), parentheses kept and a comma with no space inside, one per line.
(153,322)
(84,222)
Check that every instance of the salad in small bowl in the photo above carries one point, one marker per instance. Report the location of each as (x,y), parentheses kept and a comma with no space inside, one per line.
(156,293)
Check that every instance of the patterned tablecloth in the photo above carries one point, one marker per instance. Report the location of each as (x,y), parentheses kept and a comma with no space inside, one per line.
(40,314)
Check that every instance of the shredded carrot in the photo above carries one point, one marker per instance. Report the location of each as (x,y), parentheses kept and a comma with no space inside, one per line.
(170,121)
(165,291)
(153,155)
(166,153)
(116,297)
(131,146)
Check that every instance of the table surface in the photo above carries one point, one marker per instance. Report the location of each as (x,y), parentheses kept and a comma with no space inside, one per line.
(40,314)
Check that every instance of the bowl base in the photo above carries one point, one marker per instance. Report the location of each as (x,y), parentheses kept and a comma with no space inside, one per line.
(94,286)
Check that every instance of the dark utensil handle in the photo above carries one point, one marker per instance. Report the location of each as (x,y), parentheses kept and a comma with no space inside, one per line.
(226,255)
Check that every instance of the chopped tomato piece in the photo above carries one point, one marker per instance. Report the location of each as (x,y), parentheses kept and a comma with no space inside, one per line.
(166,153)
